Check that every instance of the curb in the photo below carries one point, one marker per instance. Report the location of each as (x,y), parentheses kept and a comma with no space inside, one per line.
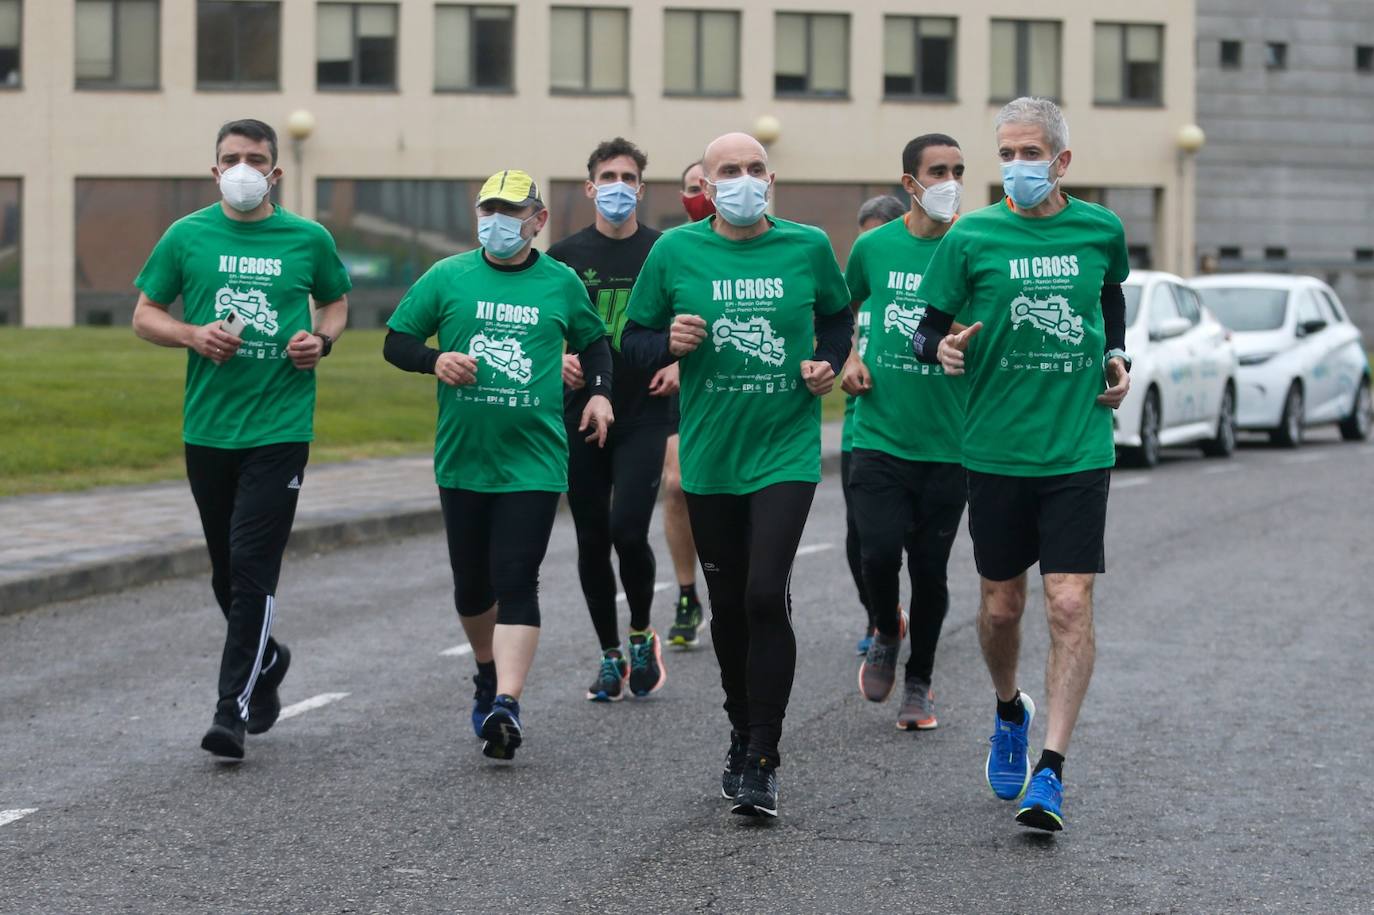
(103,577)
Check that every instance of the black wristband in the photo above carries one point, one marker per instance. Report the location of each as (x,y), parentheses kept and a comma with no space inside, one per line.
(328,343)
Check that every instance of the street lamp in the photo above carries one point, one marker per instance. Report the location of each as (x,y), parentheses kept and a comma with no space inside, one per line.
(1189,139)
(767,129)
(301,124)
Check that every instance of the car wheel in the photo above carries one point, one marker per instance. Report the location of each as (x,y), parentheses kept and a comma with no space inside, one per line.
(1356,426)
(1147,455)
(1288,434)
(1224,443)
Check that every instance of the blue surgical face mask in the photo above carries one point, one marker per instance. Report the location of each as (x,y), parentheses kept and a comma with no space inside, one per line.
(616,202)
(741,201)
(503,236)
(1027,183)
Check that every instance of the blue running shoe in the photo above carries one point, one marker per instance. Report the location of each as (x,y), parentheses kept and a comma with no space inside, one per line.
(612,677)
(1042,808)
(1009,765)
(864,642)
(501,731)
(481,702)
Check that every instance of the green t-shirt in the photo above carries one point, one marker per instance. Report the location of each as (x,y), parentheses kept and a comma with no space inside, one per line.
(748,420)
(266,271)
(914,411)
(504,432)
(860,344)
(1036,367)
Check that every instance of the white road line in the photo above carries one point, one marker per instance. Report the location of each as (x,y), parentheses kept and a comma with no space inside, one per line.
(658,586)
(814,548)
(1311,457)
(10,816)
(1129,482)
(314,702)
(457,651)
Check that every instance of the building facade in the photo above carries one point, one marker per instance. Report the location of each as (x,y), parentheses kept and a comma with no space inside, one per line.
(111,108)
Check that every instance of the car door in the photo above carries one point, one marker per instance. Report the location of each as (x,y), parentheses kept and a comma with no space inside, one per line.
(1315,345)
(1168,350)
(1345,356)
(1210,355)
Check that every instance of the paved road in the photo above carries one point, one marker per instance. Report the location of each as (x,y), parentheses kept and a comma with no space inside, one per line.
(1221,763)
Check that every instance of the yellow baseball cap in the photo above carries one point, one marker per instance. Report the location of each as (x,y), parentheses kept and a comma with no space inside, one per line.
(510,186)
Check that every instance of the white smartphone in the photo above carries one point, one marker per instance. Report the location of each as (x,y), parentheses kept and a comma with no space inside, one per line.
(232,324)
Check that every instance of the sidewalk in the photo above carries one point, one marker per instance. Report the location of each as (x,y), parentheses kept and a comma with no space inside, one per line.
(70,545)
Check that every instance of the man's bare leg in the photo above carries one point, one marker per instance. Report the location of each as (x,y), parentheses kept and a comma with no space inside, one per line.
(513,648)
(1069,607)
(999,631)
(479,630)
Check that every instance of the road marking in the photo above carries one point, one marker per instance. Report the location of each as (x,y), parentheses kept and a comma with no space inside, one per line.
(1130,481)
(1309,458)
(457,651)
(9,816)
(658,586)
(314,702)
(814,548)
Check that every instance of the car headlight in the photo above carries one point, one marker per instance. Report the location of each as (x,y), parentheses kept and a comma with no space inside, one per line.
(1256,358)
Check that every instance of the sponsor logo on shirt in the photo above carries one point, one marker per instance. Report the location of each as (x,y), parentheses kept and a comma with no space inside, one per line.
(752,336)
(903,320)
(1050,315)
(251,305)
(506,355)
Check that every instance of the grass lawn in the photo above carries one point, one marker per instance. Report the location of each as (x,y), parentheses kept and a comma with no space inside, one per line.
(94,406)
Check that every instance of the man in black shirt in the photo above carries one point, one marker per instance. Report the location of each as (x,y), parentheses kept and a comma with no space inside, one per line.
(612,491)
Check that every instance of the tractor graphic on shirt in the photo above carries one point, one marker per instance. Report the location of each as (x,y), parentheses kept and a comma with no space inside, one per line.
(1050,315)
(903,320)
(751,336)
(505,355)
(252,306)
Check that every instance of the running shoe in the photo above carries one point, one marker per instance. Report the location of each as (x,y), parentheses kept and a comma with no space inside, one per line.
(878,672)
(264,707)
(482,698)
(1043,806)
(688,623)
(646,664)
(918,707)
(758,792)
(501,731)
(611,678)
(1009,766)
(224,740)
(862,646)
(735,758)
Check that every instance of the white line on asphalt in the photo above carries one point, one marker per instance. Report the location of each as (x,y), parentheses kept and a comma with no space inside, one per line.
(9,816)
(457,651)
(1310,457)
(814,548)
(1129,482)
(314,702)
(658,586)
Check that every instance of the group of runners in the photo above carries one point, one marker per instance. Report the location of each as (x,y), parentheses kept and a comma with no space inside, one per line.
(623,361)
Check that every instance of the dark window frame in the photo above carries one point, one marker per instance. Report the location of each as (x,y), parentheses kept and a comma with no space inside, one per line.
(353,84)
(1276,253)
(808,54)
(698,15)
(1229,44)
(1364,58)
(1230,252)
(237,84)
(1124,102)
(1275,55)
(586,89)
(473,88)
(1364,255)
(920,95)
(1022,87)
(18,53)
(114,83)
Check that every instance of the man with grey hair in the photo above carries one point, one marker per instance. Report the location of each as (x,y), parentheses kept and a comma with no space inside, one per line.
(880,210)
(1037,278)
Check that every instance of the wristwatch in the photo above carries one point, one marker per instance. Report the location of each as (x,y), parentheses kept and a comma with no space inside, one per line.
(1117,354)
(328,343)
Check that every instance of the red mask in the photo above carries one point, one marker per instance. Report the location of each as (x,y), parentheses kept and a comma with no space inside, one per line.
(698,206)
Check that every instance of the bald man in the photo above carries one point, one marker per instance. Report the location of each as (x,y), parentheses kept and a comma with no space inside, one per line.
(755,309)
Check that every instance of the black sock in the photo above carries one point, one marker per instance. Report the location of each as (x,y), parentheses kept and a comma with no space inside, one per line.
(1013,711)
(689,592)
(487,670)
(1052,761)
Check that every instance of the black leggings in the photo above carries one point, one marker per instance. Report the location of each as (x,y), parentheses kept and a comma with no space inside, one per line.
(747,544)
(851,537)
(611,492)
(247,501)
(917,504)
(496,542)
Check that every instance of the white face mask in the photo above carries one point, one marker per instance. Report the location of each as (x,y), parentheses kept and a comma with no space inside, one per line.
(940,201)
(243,187)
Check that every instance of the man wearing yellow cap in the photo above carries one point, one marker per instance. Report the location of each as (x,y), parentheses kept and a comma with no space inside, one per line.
(503,314)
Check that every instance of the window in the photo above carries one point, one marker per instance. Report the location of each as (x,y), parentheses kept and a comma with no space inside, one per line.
(10,42)
(1226,253)
(1189,305)
(1276,254)
(1025,59)
(811,54)
(1163,306)
(238,44)
(116,44)
(1139,257)
(918,57)
(700,52)
(1332,305)
(1276,55)
(10,262)
(1308,310)
(1128,64)
(591,51)
(1364,56)
(355,46)
(474,48)
(1364,254)
(1230,55)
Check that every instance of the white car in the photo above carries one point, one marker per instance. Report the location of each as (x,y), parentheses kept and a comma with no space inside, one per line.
(1302,363)
(1183,372)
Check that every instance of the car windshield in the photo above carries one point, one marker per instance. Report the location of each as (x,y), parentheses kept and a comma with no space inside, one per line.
(1132,294)
(1246,309)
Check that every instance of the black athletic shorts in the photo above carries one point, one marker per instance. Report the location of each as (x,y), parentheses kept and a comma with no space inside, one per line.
(1061,521)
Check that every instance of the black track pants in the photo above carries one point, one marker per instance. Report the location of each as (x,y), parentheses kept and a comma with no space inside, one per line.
(496,543)
(247,501)
(747,544)
(851,536)
(611,493)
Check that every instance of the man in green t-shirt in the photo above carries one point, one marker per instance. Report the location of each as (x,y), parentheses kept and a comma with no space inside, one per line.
(1038,280)
(246,271)
(502,314)
(756,311)
(906,482)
